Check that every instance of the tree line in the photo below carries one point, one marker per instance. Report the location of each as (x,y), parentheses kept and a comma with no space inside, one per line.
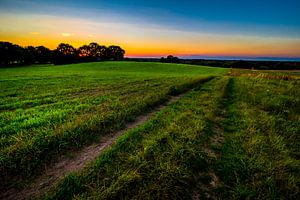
(243,64)
(13,54)
(170,59)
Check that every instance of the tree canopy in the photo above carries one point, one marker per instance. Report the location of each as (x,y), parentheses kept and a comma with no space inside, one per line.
(12,54)
(170,59)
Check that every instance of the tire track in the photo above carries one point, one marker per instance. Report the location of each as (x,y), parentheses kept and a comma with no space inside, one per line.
(81,158)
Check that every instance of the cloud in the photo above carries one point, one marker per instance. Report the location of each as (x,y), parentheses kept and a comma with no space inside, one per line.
(35,33)
(67,34)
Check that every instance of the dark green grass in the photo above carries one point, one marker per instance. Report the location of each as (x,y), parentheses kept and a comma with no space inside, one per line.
(166,157)
(47,109)
(162,159)
(260,156)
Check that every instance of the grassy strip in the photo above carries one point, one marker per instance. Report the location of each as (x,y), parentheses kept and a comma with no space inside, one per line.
(162,159)
(260,156)
(29,156)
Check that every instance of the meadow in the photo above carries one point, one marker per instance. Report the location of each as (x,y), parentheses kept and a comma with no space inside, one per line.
(47,109)
(234,134)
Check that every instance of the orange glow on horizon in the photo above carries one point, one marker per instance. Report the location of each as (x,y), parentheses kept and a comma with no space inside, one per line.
(158,47)
(139,40)
(136,49)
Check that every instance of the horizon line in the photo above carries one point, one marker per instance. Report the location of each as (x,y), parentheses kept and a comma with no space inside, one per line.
(220,56)
(233,58)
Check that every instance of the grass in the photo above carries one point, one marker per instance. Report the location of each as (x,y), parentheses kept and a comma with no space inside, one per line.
(260,157)
(163,159)
(48,109)
(233,136)
(170,156)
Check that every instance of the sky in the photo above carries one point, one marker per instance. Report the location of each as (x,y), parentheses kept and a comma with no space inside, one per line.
(154,28)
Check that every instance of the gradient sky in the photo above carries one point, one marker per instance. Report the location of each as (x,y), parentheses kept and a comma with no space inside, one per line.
(256,28)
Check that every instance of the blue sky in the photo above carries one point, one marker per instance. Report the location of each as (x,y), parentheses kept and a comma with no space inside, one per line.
(253,19)
(276,13)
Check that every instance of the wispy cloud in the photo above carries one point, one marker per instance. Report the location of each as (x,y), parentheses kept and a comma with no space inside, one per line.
(35,33)
(67,34)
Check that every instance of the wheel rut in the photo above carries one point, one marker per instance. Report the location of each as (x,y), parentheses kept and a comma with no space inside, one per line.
(207,189)
(79,159)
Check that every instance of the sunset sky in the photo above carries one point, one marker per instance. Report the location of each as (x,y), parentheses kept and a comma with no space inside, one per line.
(153,28)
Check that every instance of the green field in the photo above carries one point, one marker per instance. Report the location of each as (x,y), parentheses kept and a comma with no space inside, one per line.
(233,134)
(45,109)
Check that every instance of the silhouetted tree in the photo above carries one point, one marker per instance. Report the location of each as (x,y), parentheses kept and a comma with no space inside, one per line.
(84,51)
(101,52)
(115,53)
(66,49)
(43,55)
(170,59)
(84,54)
(11,54)
(93,52)
(38,54)
(97,51)
(64,54)
(30,55)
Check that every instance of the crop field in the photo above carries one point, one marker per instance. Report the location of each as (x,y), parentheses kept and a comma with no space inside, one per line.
(232,134)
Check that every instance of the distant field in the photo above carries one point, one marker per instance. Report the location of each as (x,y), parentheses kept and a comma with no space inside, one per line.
(234,134)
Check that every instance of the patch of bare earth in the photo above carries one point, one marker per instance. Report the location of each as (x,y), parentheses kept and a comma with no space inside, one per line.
(67,164)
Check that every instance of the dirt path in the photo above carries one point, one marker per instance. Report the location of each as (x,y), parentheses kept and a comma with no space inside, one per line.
(81,158)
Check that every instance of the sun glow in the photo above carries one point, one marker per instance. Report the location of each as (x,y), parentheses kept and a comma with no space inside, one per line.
(138,41)
(67,34)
